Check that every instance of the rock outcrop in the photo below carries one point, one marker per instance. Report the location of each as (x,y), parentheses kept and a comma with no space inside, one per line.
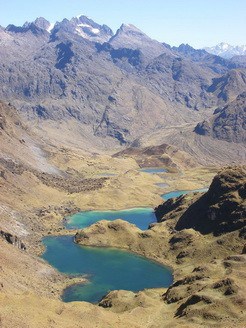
(13,240)
(222,209)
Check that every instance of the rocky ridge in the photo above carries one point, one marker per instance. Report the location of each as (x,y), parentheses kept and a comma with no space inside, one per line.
(103,85)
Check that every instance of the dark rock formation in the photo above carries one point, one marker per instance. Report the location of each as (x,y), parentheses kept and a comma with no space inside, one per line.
(64,55)
(171,208)
(13,240)
(133,56)
(222,209)
(226,286)
(194,299)
(33,28)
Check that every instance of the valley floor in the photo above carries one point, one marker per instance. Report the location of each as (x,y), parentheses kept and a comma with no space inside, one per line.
(33,205)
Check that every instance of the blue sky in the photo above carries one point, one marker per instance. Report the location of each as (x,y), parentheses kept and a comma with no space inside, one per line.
(197,22)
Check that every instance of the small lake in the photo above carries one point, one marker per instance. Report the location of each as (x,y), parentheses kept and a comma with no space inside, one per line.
(107,269)
(141,217)
(178,193)
(152,170)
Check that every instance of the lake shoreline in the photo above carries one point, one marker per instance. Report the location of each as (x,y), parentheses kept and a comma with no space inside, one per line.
(66,245)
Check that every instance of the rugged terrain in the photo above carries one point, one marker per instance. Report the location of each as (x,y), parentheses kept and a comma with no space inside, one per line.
(27,216)
(82,110)
(40,184)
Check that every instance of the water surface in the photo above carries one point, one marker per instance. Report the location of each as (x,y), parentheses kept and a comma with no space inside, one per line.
(178,193)
(141,217)
(107,269)
(152,170)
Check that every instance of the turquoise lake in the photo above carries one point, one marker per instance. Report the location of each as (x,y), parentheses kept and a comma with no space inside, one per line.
(106,268)
(141,217)
(178,193)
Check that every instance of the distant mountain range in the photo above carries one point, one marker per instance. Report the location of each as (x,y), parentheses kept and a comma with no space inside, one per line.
(225,50)
(111,89)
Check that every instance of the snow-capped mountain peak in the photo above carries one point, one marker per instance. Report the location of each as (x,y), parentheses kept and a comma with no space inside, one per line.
(40,24)
(223,46)
(226,50)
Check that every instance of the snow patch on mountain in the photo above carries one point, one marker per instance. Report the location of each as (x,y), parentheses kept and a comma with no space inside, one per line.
(95,30)
(50,28)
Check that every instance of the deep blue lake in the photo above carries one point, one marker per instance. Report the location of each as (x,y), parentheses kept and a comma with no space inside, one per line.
(107,269)
(178,193)
(141,217)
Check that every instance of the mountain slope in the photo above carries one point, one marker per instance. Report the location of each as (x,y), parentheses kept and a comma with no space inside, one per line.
(229,86)
(227,123)
(108,90)
(62,76)
(129,36)
(19,144)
